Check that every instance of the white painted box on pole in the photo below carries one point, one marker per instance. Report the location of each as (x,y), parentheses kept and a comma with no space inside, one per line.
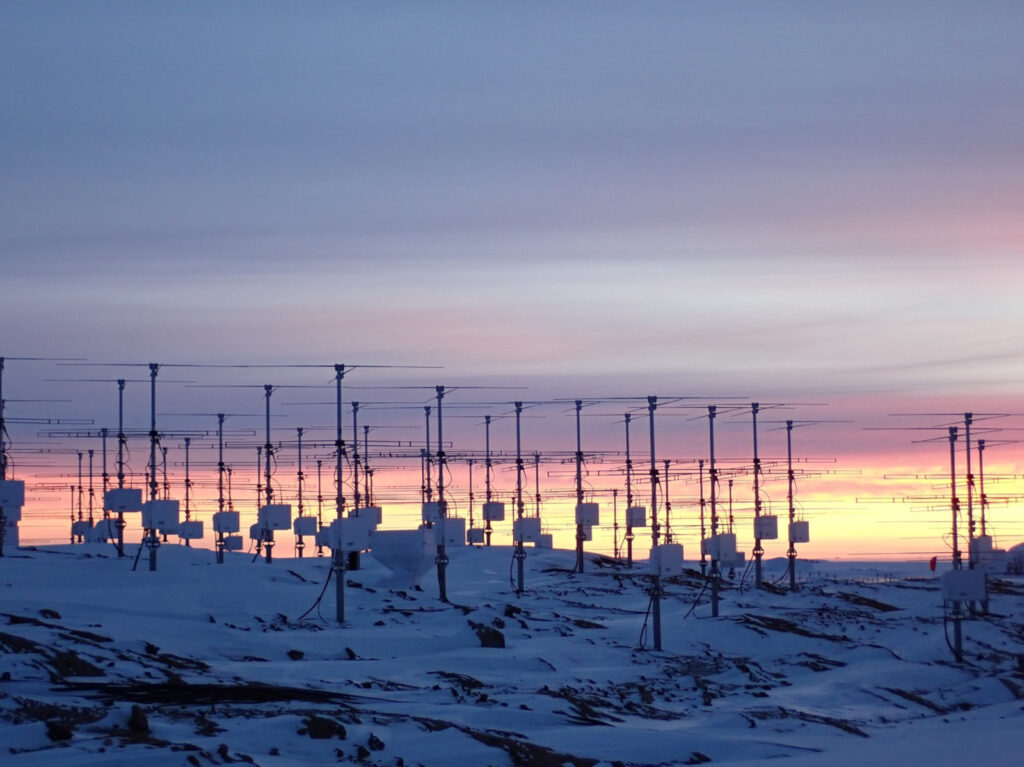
(373,514)
(160,515)
(526,529)
(226,522)
(667,560)
(964,585)
(454,531)
(233,543)
(304,526)
(12,492)
(276,516)
(800,531)
(494,511)
(766,527)
(123,499)
(545,541)
(431,512)
(474,536)
(191,530)
(636,516)
(82,528)
(350,534)
(587,514)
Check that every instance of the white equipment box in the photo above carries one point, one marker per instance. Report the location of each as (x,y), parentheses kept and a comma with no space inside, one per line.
(276,516)
(545,541)
(192,530)
(964,586)
(667,560)
(233,543)
(526,529)
(431,512)
(350,534)
(587,514)
(800,532)
(636,516)
(494,511)
(304,526)
(82,528)
(12,493)
(373,514)
(123,499)
(160,515)
(475,535)
(454,531)
(226,522)
(766,527)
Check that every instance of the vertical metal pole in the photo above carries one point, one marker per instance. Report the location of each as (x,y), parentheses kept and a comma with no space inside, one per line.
(971,552)
(487,474)
(259,484)
(337,555)
(958,648)
(791,553)
(105,477)
(92,491)
(629,497)
(429,482)
(652,403)
(668,505)
(520,552)
(188,488)
(300,544)
(319,504)
(703,532)
(758,548)
(442,554)
(536,484)
(81,491)
(579,489)
(121,440)
(220,484)
(982,503)
(268,454)
(152,542)
(367,473)
(469,464)
(355,455)
(615,522)
(713,479)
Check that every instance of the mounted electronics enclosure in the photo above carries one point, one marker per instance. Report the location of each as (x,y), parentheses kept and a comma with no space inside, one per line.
(494,511)
(276,516)
(123,499)
(667,560)
(766,528)
(587,514)
(636,516)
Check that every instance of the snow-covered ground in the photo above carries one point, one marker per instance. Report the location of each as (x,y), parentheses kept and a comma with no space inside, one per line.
(199,663)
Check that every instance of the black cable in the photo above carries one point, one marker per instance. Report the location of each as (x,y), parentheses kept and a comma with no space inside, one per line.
(744,576)
(316,604)
(642,640)
(697,600)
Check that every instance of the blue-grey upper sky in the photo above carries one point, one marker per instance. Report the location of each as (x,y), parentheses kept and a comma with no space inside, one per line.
(752,190)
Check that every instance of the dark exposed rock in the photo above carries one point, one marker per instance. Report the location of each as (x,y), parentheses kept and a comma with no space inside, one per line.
(57,731)
(322,728)
(138,722)
(488,635)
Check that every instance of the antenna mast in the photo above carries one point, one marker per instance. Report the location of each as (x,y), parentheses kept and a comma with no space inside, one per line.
(652,403)
(520,553)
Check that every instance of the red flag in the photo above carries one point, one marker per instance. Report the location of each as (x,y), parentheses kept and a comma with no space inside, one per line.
(932,563)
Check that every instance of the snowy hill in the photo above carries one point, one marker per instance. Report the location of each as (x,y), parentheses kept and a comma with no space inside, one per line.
(199,664)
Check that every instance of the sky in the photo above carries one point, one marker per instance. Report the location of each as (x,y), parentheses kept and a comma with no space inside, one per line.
(790,202)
